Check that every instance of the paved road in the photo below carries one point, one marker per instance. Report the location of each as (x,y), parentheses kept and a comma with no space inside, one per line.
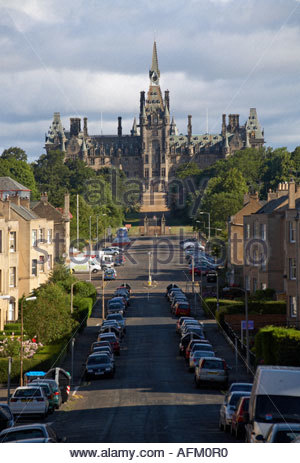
(152,397)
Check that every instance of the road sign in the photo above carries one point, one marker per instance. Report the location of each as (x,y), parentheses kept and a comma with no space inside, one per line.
(250,324)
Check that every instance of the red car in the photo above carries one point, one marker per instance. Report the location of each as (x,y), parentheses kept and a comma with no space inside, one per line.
(197,271)
(238,417)
(182,308)
(112,339)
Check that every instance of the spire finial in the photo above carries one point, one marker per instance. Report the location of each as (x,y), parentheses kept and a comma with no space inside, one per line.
(154,73)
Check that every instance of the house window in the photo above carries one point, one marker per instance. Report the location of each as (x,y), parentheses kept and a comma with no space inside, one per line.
(146,159)
(254,284)
(163,158)
(263,229)
(49,236)
(12,241)
(292,231)
(0,240)
(34,238)
(247,231)
(12,277)
(292,268)
(247,283)
(163,172)
(34,267)
(42,264)
(41,235)
(293,306)
(146,173)
(11,311)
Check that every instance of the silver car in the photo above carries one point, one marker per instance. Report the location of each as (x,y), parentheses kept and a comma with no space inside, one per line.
(228,408)
(211,371)
(197,355)
(30,433)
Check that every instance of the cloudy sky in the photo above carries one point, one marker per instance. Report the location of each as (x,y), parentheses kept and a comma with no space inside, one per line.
(84,58)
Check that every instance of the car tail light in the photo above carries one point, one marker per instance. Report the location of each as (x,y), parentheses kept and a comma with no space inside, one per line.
(225,365)
(13,400)
(40,399)
(56,393)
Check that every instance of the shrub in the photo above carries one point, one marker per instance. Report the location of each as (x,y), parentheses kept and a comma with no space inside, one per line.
(45,359)
(264,294)
(262,307)
(85,289)
(210,305)
(278,346)
(83,310)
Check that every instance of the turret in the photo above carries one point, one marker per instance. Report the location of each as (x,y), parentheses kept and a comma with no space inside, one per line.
(167,99)
(134,130)
(85,129)
(119,126)
(75,126)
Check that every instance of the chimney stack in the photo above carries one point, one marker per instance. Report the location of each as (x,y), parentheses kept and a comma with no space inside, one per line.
(119,126)
(189,127)
(66,213)
(292,194)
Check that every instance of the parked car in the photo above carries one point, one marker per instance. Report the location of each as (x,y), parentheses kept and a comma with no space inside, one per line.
(113,251)
(234,387)
(228,408)
(111,337)
(197,355)
(283,433)
(180,321)
(238,418)
(30,432)
(56,391)
(196,344)
(110,274)
(29,400)
(211,371)
(170,287)
(182,308)
(6,417)
(119,318)
(48,392)
(211,276)
(100,344)
(99,365)
(184,342)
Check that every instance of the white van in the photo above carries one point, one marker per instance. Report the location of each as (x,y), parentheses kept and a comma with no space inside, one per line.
(275,398)
(85,267)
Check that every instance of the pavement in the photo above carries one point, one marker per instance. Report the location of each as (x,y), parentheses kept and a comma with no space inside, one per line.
(152,397)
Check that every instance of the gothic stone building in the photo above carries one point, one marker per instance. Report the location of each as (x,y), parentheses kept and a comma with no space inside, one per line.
(154,148)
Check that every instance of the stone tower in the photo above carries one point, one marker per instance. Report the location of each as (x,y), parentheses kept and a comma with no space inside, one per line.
(155,129)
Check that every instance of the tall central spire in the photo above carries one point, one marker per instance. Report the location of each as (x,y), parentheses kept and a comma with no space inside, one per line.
(154,73)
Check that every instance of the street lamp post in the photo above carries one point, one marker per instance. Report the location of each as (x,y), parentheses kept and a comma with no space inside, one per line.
(103,307)
(149,269)
(297,265)
(201,213)
(33,298)
(90,245)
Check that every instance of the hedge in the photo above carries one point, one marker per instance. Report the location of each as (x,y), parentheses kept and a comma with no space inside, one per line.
(210,305)
(43,360)
(85,289)
(278,346)
(82,310)
(261,307)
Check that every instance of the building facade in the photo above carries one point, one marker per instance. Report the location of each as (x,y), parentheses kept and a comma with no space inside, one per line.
(154,148)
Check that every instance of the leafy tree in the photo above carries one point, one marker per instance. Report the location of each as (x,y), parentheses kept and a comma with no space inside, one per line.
(52,176)
(279,167)
(188,169)
(14,153)
(48,318)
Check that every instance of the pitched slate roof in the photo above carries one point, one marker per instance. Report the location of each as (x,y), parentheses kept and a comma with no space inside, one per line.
(22,211)
(8,184)
(272,205)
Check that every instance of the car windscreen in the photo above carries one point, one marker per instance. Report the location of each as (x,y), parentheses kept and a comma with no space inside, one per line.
(204,347)
(235,398)
(115,317)
(98,359)
(45,386)
(241,387)
(203,353)
(277,408)
(286,436)
(30,392)
(213,365)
